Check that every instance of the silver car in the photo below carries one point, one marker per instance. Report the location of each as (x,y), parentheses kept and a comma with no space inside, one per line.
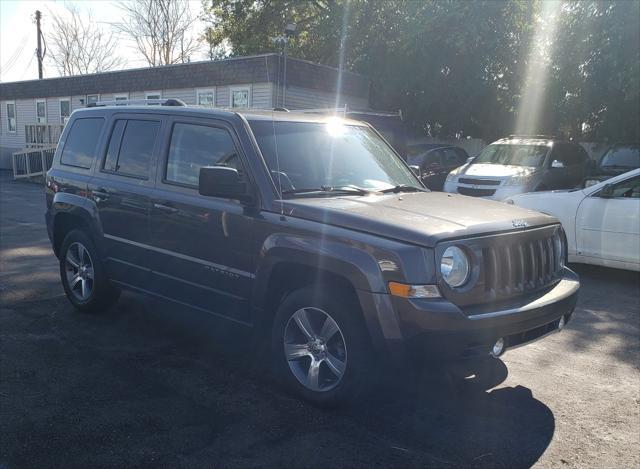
(519,164)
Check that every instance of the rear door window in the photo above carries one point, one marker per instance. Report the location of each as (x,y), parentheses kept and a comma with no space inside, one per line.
(82,141)
(194,146)
(131,147)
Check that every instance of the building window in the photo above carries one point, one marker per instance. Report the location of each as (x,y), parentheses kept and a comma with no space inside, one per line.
(205,98)
(153,95)
(92,98)
(12,122)
(65,110)
(41,111)
(240,97)
(121,97)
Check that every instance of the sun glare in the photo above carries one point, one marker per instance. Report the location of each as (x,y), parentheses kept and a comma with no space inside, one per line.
(538,68)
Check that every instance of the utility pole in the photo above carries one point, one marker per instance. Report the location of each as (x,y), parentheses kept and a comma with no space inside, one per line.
(283,41)
(39,50)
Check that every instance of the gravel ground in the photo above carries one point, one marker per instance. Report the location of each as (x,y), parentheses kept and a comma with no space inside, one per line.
(141,387)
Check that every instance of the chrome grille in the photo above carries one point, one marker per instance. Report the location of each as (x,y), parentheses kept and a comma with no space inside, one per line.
(473,192)
(508,265)
(522,266)
(481,182)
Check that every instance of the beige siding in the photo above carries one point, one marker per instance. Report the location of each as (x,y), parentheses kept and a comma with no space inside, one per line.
(305,98)
(261,96)
(222,96)
(188,95)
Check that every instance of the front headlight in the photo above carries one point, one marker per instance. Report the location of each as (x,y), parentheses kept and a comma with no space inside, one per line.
(451,177)
(560,247)
(517,180)
(454,266)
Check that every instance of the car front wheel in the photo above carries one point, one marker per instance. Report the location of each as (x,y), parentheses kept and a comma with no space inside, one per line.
(320,346)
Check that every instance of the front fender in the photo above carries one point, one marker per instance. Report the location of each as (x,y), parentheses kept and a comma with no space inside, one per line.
(356,265)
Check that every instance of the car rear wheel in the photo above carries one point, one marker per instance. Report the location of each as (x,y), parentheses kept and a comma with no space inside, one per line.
(320,346)
(82,273)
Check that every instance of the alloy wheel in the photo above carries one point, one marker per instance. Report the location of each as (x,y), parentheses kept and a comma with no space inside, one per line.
(315,349)
(79,271)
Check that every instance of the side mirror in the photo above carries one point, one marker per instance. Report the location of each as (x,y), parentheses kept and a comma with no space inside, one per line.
(221,181)
(557,164)
(416,169)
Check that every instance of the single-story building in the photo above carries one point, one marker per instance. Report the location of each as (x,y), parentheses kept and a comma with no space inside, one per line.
(33,112)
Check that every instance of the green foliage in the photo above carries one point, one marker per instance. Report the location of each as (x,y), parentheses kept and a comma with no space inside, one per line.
(460,66)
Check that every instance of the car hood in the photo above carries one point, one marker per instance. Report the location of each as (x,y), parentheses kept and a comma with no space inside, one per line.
(422,218)
(493,170)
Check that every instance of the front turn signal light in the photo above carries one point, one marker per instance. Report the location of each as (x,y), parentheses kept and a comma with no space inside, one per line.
(413,291)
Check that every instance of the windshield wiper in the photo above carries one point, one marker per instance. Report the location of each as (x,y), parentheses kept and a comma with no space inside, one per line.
(328,190)
(402,188)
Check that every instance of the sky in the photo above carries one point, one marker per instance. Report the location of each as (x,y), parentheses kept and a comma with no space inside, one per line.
(18,34)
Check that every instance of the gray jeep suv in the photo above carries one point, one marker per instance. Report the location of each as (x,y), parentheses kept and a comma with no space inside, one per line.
(311,230)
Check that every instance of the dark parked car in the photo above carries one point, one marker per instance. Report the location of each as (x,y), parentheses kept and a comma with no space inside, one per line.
(435,161)
(618,159)
(310,231)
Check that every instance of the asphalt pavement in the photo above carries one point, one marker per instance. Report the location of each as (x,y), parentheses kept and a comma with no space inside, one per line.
(142,387)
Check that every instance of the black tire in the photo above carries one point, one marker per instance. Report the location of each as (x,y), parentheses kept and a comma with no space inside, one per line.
(102,294)
(358,376)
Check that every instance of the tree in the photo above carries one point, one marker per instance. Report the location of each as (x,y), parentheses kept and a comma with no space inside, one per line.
(596,81)
(78,46)
(161,30)
(464,67)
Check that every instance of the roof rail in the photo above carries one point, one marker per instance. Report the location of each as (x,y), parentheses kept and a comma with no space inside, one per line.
(345,110)
(129,102)
(532,136)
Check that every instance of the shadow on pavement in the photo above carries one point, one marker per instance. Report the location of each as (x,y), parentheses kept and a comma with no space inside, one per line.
(142,387)
(608,299)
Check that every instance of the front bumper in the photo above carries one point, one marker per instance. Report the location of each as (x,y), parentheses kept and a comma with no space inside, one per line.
(438,329)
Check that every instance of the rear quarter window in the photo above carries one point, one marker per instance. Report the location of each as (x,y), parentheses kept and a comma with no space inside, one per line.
(82,142)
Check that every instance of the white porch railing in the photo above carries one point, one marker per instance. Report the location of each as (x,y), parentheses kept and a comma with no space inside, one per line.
(42,135)
(31,162)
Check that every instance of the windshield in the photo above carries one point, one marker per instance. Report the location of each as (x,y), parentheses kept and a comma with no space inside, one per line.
(514,155)
(623,155)
(319,155)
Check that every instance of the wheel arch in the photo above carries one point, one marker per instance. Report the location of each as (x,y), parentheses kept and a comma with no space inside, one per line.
(70,211)
(290,263)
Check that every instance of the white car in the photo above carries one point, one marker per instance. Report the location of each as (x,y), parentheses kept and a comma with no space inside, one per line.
(601,222)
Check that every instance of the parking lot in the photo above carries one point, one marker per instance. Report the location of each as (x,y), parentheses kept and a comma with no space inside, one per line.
(137,387)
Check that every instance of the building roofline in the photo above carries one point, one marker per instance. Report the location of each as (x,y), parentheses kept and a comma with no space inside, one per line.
(223,72)
(137,69)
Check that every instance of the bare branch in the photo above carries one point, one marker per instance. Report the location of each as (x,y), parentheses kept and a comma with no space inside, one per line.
(78,46)
(160,29)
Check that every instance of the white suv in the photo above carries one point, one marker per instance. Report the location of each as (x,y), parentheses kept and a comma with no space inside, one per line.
(519,164)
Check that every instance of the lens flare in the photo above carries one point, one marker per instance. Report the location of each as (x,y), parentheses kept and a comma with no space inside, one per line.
(538,69)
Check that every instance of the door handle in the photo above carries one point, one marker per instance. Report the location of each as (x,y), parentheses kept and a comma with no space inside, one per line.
(165,208)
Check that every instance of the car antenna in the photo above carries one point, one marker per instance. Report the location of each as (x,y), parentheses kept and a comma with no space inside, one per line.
(275,141)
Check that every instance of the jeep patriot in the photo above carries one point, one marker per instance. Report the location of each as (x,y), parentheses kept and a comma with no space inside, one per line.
(308,228)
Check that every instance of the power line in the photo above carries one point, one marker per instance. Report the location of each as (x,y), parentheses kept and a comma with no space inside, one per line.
(28,66)
(16,54)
